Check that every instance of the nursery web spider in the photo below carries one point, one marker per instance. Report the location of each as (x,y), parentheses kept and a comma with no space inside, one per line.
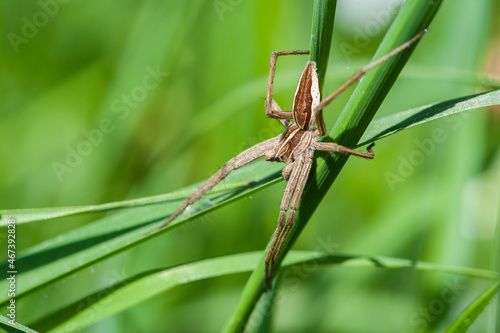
(294,146)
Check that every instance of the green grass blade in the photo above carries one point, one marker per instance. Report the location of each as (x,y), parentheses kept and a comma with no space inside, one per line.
(56,258)
(266,305)
(13,328)
(136,289)
(394,123)
(413,17)
(473,310)
(42,214)
(321,36)
(139,288)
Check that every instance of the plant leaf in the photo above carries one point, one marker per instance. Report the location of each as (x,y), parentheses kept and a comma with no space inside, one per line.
(473,310)
(133,290)
(41,214)
(16,327)
(56,258)
(321,36)
(394,123)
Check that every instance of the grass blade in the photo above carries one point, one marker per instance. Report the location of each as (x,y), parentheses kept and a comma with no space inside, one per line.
(394,123)
(321,37)
(41,214)
(133,290)
(14,328)
(473,310)
(56,258)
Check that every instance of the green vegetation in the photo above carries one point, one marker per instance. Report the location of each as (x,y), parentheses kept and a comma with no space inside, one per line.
(104,102)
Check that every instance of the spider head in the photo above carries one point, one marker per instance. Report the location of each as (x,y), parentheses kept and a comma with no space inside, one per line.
(274,155)
(280,154)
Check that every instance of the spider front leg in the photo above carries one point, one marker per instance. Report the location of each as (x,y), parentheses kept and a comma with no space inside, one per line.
(245,157)
(290,202)
(272,108)
(318,111)
(336,148)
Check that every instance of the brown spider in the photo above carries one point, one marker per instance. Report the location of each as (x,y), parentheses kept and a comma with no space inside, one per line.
(294,146)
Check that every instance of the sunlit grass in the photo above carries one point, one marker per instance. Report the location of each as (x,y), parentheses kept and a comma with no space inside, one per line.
(63,82)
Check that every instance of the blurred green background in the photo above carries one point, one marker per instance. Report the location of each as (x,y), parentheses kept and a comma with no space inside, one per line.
(156,95)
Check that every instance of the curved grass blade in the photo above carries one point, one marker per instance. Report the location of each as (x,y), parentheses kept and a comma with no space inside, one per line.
(394,123)
(65,254)
(136,289)
(41,214)
(473,310)
(14,328)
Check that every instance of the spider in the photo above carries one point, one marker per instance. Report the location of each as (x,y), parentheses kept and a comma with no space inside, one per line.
(294,146)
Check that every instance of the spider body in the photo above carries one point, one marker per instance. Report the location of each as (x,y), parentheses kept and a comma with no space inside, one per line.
(295,146)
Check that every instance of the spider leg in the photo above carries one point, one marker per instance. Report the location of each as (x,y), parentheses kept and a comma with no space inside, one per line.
(290,202)
(245,157)
(319,109)
(285,203)
(272,108)
(305,166)
(336,148)
(276,108)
